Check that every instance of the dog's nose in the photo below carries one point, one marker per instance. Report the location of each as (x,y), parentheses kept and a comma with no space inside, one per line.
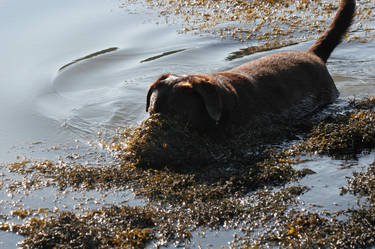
(151,109)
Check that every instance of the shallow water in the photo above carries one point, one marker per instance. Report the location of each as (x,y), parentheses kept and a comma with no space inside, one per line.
(70,69)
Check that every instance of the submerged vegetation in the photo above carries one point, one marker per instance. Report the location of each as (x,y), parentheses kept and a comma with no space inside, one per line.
(272,22)
(190,182)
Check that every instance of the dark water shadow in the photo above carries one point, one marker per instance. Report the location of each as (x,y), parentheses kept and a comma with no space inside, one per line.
(243,52)
(162,55)
(104,51)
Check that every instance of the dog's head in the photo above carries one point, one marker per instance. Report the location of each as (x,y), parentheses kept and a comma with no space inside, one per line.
(194,97)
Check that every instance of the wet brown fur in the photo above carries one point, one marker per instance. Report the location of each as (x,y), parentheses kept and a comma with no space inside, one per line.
(281,85)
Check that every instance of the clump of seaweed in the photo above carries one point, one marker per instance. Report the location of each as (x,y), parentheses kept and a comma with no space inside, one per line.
(165,143)
(343,135)
(363,184)
(112,227)
(299,229)
(363,103)
(73,175)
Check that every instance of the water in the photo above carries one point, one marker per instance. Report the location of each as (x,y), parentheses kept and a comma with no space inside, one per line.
(72,68)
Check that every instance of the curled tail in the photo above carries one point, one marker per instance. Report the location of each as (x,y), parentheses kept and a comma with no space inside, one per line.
(327,42)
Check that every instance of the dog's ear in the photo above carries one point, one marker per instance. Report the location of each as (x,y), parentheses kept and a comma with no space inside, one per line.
(211,98)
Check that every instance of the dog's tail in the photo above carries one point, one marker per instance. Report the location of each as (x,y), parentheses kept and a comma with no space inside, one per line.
(327,42)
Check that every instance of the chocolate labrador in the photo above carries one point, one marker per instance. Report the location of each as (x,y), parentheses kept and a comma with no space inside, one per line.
(284,85)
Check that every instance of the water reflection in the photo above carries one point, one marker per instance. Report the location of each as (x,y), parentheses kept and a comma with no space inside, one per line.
(243,52)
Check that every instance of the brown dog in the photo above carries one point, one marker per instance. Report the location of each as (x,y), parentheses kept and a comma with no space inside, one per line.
(286,85)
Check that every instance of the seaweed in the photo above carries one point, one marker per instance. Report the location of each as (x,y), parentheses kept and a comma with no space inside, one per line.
(114,227)
(191,182)
(271,23)
(343,135)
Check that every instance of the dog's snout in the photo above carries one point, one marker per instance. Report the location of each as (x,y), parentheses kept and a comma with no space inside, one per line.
(153,106)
